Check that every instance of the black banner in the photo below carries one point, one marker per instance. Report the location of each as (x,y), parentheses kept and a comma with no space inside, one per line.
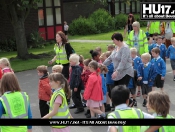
(157,10)
(87,122)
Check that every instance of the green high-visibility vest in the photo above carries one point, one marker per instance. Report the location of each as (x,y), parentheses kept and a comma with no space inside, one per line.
(61,55)
(154,27)
(63,111)
(130,113)
(163,128)
(142,41)
(16,106)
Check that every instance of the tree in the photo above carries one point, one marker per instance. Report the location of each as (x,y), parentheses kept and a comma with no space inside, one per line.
(105,1)
(17,11)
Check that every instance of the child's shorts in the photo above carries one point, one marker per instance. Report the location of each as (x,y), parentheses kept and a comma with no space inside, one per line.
(145,89)
(109,88)
(158,82)
(138,83)
(132,90)
(104,99)
(172,64)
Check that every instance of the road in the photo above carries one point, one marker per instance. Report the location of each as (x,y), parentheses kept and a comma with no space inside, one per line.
(29,83)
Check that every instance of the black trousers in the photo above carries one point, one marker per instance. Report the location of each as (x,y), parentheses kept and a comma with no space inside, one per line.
(77,99)
(65,70)
(44,107)
(123,81)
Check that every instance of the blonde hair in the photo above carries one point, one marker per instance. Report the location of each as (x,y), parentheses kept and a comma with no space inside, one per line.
(133,50)
(42,69)
(136,24)
(146,56)
(111,46)
(102,56)
(75,58)
(57,68)
(159,101)
(6,62)
(108,53)
(173,39)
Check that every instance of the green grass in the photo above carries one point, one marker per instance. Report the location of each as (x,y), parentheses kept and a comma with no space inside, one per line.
(80,48)
(102,36)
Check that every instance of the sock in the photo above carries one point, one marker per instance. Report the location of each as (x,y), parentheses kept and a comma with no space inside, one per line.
(103,114)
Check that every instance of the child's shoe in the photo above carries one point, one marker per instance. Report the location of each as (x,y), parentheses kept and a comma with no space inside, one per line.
(144,103)
(107,108)
(135,103)
(88,116)
(87,112)
(72,106)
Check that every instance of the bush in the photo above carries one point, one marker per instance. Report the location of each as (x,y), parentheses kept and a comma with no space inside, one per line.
(8,44)
(103,20)
(35,40)
(82,26)
(121,19)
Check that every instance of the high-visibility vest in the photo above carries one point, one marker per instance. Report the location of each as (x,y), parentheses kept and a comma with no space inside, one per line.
(154,27)
(61,55)
(130,113)
(63,111)
(16,106)
(163,128)
(172,23)
(142,40)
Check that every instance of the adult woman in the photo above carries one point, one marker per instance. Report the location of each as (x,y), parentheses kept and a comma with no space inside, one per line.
(137,38)
(122,61)
(13,103)
(129,23)
(169,32)
(63,50)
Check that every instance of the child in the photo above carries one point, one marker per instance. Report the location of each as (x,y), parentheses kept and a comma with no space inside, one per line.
(93,92)
(5,66)
(98,49)
(57,68)
(146,73)
(136,61)
(132,88)
(102,57)
(151,45)
(160,66)
(85,76)
(81,61)
(66,28)
(120,98)
(163,40)
(95,56)
(44,90)
(154,38)
(76,83)
(109,82)
(171,54)
(162,47)
(111,47)
(58,103)
(14,103)
(103,70)
(158,103)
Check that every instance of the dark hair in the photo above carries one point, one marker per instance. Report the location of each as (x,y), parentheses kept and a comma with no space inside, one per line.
(59,77)
(94,53)
(62,35)
(133,20)
(155,34)
(117,36)
(119,94)
(156,50)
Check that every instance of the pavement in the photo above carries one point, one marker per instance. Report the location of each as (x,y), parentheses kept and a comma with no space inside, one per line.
(91,41)
(29,83)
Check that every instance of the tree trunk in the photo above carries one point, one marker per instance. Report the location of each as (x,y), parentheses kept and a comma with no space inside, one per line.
(21,42)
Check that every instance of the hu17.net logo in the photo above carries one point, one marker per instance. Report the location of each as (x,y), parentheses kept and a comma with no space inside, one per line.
(157,10)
